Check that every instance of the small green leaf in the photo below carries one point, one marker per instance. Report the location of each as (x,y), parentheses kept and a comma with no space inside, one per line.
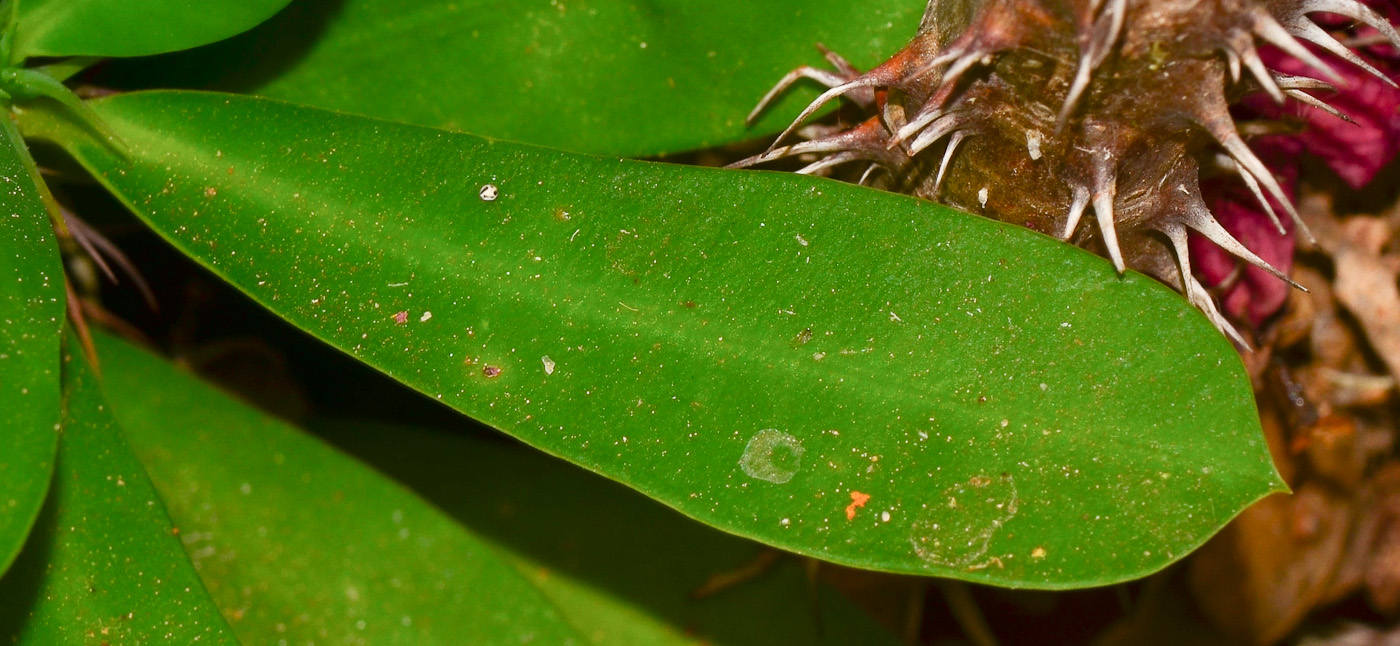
(849,374)
(103,565)
(131,27)
(613,77)
(287,532)
(31,325)
(333,551)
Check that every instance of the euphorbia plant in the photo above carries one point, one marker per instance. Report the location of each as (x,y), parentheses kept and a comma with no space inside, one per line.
(851,375)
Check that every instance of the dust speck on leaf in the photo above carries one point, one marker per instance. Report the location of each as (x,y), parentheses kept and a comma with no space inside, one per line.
(210,192)
(490,371)
(424,318)
(548,364)
(802,338)
(772,455)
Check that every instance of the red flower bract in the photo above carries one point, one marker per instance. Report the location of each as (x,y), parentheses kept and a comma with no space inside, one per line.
(1355,151)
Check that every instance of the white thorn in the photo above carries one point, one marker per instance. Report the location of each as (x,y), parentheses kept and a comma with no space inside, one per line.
(1082,75)
(828,162)
(1253,186)
(823,100)
(1105,34)
(1289,82)
(868,172)
(953,53)
(1233,59)
(1076,211)
(829,79)
(1261,73)
(937,130)
(1177,234)
(953,144)
(839,62)
(925,116)
(1246,158)
(1305,29)
(1266,27)
(1356,11)
(832,144)
(1199,218)
(1196,293)
(1103,213)
(960,67)
(1308,99)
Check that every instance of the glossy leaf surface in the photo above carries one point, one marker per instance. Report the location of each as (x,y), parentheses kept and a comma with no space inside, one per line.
(132,27)
(622,77)
(570,530)
(287,531)
(104,564)
(845,373)
(31,322)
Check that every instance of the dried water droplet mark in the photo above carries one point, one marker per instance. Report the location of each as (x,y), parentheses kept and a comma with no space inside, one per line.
(489,193)
(772,455)
(956,529)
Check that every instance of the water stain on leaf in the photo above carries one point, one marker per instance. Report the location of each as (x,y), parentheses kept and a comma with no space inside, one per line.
(956,529)
(772,455)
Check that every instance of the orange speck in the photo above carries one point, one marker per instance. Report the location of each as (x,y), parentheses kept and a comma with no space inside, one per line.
(858,500)
(401,317)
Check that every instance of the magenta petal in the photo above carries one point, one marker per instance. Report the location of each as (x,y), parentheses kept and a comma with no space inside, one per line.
(1355,151)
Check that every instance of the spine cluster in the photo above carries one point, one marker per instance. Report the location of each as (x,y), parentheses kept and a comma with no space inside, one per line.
(1039,112)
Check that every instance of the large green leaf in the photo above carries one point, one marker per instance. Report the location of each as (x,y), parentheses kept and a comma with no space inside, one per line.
(849,374)
(287,531)
(623,77)
(103,565)
(579,534)
(131,27)
(31,323)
